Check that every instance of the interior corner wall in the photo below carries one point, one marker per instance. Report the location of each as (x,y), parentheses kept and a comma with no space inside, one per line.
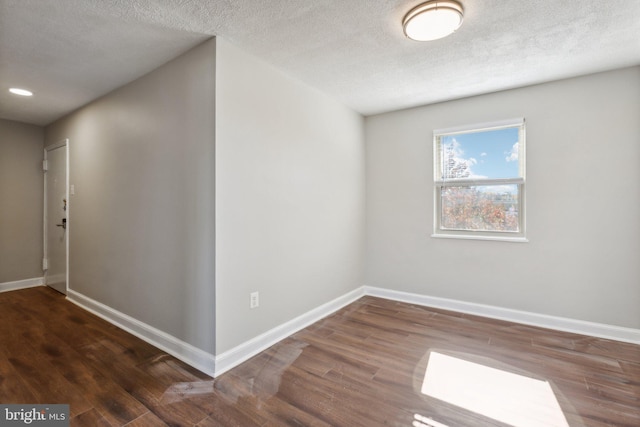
(21,201)
(289,197)
(141,221)
(582,207)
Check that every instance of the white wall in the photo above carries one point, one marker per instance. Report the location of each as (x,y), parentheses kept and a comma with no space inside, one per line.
(289,197)
(583,203)
(142,160)
(21,198)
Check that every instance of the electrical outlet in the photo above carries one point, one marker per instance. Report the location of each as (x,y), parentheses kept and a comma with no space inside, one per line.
(255,302)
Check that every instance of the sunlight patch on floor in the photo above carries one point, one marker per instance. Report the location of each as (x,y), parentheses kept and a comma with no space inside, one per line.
(422,421)
(504,396)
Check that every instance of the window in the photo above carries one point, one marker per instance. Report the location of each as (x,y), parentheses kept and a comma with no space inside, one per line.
(479,181)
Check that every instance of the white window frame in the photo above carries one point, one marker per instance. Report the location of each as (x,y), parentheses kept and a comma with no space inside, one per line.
(440,183)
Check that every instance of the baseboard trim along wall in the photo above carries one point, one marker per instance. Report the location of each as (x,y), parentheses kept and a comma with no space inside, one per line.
(21,284)
(186,352)
(617,333)
(217,365)
(248,349)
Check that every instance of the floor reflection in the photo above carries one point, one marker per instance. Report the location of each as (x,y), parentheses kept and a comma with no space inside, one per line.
(422,421)
(511,398)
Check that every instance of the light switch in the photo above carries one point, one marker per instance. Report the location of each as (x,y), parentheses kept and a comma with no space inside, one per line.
(72,190)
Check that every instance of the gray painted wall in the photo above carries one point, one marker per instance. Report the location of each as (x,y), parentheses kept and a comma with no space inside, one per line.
(21,199)
(216,176)
(142,160)
(583,204)
(287,173)
(289,196)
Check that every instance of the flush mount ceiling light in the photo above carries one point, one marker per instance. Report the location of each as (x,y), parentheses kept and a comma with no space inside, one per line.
(21,92)
(432,20)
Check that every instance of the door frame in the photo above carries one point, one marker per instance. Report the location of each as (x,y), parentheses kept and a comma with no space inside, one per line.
(63,143)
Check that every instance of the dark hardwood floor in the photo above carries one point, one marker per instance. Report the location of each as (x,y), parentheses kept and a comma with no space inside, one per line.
(362,366)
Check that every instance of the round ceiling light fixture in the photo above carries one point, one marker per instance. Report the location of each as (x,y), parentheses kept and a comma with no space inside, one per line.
(432,20)
(21,92)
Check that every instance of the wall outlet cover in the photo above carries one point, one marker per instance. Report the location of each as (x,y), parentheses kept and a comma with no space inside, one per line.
(255,302)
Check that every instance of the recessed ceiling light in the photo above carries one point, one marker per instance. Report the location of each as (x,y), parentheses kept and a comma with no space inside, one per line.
(21,92)
(432,20)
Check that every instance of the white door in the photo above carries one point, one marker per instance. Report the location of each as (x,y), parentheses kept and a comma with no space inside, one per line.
(55,217)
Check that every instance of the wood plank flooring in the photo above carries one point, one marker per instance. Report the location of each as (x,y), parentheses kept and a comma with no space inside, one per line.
(362,366)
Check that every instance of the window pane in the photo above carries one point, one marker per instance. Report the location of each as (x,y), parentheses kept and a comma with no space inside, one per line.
(481,155)
(481,208)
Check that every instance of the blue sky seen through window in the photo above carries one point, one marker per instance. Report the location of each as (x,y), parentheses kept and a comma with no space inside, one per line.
(489,154)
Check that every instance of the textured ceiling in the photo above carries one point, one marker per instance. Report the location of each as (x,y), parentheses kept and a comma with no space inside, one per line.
(70,52)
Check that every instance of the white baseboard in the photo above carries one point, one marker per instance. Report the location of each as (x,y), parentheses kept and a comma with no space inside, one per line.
(186,352)
(617,333)
(248,349)
(21,284)
(216,365)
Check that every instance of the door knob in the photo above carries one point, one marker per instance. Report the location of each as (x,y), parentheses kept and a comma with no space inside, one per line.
(64,224)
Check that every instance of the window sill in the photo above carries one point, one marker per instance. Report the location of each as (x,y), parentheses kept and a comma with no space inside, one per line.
(469,237)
